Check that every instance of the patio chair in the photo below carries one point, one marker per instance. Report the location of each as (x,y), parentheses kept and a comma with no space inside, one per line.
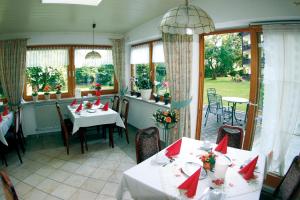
(211,91)
(235,135)
(215,107)
(147,143)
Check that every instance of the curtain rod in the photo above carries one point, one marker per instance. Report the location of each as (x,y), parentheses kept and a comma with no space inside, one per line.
(276,22)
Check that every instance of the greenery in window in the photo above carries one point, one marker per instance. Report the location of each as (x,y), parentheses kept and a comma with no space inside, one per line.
(143,77)
(160,77)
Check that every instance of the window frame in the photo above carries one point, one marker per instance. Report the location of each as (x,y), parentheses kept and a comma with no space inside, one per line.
(70,72)
(151,65)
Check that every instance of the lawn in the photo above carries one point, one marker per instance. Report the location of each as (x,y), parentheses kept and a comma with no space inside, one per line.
(226,87)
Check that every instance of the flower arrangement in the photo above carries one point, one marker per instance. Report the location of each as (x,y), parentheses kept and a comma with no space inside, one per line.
(167,117)
(34,92)
(209,161)
(46,90)
(58,88)
(88,105)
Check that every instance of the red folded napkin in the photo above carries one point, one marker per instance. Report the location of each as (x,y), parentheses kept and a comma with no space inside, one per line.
(222,146)
(79,108)
(97,103)
(105,107)
(98,93)
(190,184)
(74,102)
(5,111)
(174,149)
(247,171)
(1,118)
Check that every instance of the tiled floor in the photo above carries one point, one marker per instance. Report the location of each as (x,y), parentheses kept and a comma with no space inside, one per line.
(48,172)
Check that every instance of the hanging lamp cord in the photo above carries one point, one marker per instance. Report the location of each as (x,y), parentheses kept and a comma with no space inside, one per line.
(94,26)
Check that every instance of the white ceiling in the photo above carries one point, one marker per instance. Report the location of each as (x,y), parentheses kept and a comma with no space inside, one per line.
(121,16)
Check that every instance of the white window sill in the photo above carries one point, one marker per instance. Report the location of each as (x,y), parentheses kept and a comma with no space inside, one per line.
(160,103)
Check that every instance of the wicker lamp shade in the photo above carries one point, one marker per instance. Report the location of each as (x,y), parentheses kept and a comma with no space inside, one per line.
(92,55)
(186,19)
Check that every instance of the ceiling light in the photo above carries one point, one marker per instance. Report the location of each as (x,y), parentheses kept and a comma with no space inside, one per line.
(187,19)
(79,2)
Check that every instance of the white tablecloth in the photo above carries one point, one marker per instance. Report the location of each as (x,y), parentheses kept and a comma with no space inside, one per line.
(100,117)
(4,126)
(149,180)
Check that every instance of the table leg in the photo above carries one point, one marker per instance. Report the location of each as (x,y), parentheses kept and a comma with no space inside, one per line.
(81,137)
(111,137)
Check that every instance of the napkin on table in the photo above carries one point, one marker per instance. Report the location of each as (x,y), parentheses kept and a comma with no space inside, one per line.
(190,184)
(105,107)
(97,103)
(247,171)
(174,149)
(5,111)
(1,118)
(74,102)
(79,108)
(222,146)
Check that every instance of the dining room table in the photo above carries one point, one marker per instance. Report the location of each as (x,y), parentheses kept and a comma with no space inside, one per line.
(4,126)
(235,101)
(154,179)
(95,116)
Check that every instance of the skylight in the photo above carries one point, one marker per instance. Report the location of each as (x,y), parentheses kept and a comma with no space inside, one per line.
(79,2)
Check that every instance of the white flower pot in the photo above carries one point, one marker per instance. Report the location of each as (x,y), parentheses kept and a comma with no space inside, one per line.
(146,94)
(47,97)
(58,96)
(34,98)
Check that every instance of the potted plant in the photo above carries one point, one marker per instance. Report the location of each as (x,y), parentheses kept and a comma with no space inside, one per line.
(156,97)
(145,86)
(97,87)
(167,98)
(58,91)
(133,86)
(47,92)
(35,94)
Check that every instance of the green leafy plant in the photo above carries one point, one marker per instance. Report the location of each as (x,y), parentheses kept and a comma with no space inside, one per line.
(34,92)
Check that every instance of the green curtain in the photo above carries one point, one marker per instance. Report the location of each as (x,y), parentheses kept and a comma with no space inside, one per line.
(178,58)
(118,51)
(12,69)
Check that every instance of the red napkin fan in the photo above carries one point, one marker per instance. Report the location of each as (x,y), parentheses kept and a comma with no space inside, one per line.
(190,184)
(74,102)
(5,111)
(174,149)
(222,146)
(105,107)
(1,118)
(97,103)
(79,108)
(247,171)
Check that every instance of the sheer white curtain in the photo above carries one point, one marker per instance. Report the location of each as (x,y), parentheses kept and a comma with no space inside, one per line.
(281,110)
(139,54)
(80,61)
(158,52)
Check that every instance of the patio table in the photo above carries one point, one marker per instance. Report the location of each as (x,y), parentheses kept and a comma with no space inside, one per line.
(4,126)
(150,180)
(234,101)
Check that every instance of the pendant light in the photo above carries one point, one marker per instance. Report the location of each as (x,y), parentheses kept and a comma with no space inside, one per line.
(187,19)
(93,55)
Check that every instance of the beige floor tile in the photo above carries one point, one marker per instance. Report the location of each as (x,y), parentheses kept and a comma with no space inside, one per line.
(50,197)
(93,185)
(80,158)
(85,170)
(56,163)
(45,171)
(109,164)
(110,189)
(70,166)
(116,177)
(93,162)
(34,179)
(103,174)
(64,191)
(83,195)
(21,173)
(75,180)
(104,197)
(59,175)
(124,166)
(48,185)
(22,188)
(35,194)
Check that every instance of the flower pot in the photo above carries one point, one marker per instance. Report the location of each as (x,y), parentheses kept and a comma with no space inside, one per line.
(47,97)
(157,98)
(146,94)
(58,96)
(34,98)
(132,93)
(167,101)
(138,94)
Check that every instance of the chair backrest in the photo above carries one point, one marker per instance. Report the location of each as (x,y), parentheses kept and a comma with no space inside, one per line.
(147,143)
(289,187)
(61,119)
(116,103)
(124,110)
(211,91)
(212,102)
(8,188)
(235,135)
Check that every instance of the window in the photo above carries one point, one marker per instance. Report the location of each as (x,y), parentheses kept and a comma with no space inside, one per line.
(148,60)
(66,65)
(89,72)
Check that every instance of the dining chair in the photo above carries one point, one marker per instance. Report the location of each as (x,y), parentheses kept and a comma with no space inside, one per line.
(124,117)
(116,103)
(147,143)
(8,188)
(235,135)
(66,131)
(289,187)
(13,139)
